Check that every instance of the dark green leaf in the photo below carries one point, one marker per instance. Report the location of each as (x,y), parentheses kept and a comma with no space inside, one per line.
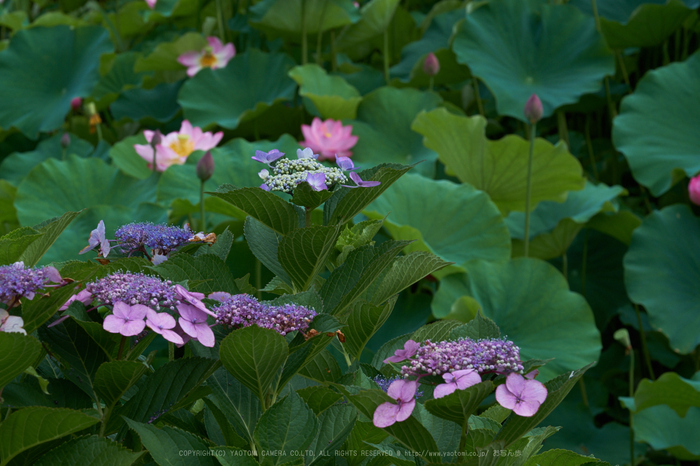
(17,352)
(303,253)
(461,404)
(165,445)
(264,207)
(90,451)
(364,320)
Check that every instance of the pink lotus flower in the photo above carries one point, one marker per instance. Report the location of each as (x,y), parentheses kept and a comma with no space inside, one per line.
(163,323)
(389,413)
(694,190)
(409,349)
(151,3)
(521,395)
(214,56)
(458,380)
(194,323)
(328,138)
(11,324)
(431,65)
(125,319)
(175,147)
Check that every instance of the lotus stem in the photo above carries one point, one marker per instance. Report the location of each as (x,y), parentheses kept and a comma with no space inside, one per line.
(304,40)
(386,55)
(528,194)
(645,348)
(201,206)
(477,97)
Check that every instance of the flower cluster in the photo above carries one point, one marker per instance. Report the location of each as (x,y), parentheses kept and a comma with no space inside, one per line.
(175,147)
(17,281)
(161,239)
(134,288)
(483,356)
(244,310)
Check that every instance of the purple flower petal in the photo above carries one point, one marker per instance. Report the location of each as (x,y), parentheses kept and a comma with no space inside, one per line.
(307,153)
(345,163)
(267,157)
(526,408)
(444,389)
(405,410)
(505,398)
(360,183)
(385,414)
(403,390)
(466,378)
(173,337)
(317,181)
(409,349)
(264,187)
(113,324)
(133,327)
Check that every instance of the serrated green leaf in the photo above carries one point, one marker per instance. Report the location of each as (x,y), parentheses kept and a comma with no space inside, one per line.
(284,430)
(254,355)
(307,197)
(303,253)
(264,244)
(478,328)
(322,368)
(334,425)
(29,427)
(220,249)
(364,320)
(114,378)
(240,406)
(264,207)
(561,458)
(461,404)
(319,398)
(40,309)
(208,270)
(13,245)
(90,451)
(17,353)
(404,272)
(165,445)
(231,437)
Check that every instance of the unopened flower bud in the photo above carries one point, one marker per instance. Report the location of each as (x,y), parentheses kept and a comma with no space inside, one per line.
(76,103)
(157,138)
(431,65)
(623,336)
(65,140)
(205,167)
(533,109)
(694,190)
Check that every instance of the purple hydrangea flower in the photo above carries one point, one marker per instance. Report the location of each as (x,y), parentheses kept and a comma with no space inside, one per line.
(16,281)
(267,157)
(345,163)
(163,323)
(409,349)
(194,322)
(317,181)
(389,413)
(192,298)
(384,383)
(360,183)
(307,153)
(162,239)
(484,356)
(97,238)
(522,395)
(264,187)
(243,310)
(457,380)
(132,288)
(126,320)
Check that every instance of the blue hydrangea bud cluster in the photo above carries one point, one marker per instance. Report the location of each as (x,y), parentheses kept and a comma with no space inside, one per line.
(134,288)
(484,356)
(243,310)
(18,281)
(287,174)
(162,239)
(384,383)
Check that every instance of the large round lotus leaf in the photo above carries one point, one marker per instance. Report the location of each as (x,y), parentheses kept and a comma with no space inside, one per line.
(118,74)
(531,303)
(499,167)
(524,47)
(436,39)
(383,127)
(158,103)
(663,429)
(662,273)
(18,165)
(250,83)
(638,23)
(356,39)
(232,165)
(164,57)
(283,17)
(656,128)
(331,96)
(579,206)
(456,222)
(55,187)
(43,69)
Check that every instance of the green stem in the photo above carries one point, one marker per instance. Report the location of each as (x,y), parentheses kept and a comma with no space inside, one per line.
(121,347)
(98,127)
(154,160)
(304,44)
(334,59)
(171,351)
(584,394)
(565,267)
(307,217)
(220,20)
(477,97)
(386,55)
(201,206)
(563,130)
(631,394)
(584,259)
(623,68)
(430,86)
(589,145)
(667,58)
(258,278)
(463,437)
(528,194)
(643,337)
(319,39)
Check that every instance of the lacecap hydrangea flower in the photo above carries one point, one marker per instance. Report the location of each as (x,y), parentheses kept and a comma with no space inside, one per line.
(285,174)
(214,56)
(328,138)
(244,310)
(18,281)
(175,147)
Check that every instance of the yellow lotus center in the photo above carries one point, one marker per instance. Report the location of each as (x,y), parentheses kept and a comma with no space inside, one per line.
(208,59)
(183,146)
(325,131)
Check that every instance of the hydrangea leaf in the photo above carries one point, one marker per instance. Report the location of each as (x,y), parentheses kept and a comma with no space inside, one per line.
(383,126)
(17,352)
(638,23)
(524,47)
(467,225)
(283,17)
(55,186)
(36,98)
(537,299)
(655,129)
(250,83)
(331,96)
(90,450)
(165,445)
(499,167)
(662,270)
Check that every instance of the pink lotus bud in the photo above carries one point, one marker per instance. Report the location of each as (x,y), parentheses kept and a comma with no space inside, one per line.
(65,140)
(76,103)
(431,65)
(157,138)
(694,190)
(205,167)
(533,109)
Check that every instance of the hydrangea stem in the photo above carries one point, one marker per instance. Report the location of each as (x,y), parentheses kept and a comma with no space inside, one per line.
(171,351)
(528,193)
(201,206)
(121,348)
